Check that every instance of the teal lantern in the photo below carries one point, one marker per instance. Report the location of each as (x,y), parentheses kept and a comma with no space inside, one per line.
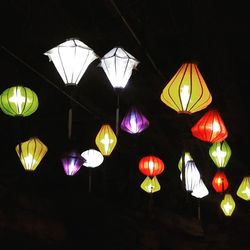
(18,101)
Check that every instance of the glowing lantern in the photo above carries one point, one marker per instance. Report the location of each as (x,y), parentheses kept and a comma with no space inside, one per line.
(200,190)
(118,65)
(106,140)
(71,60)
(18,101)
(72,162)
(220,153)
(187,157)
(220,182)
(227,205)
(187,91)
(210,127)
(93,158)
(150,185)
(151,165)
(244,189)
(134,121)
(31,153)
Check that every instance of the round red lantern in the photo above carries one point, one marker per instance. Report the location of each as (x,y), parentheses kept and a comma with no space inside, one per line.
(151,165)
(220,182)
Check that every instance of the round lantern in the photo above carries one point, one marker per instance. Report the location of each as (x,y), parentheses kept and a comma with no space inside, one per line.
(31,153)
(187,91)
(18,101)
(151,165)
(220,182)
(227,205)
(210,127)
(93,158)
(150,185)
(220,153)
(244,189)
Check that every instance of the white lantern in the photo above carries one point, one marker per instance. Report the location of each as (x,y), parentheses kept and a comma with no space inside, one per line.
(200,190)
(93,158)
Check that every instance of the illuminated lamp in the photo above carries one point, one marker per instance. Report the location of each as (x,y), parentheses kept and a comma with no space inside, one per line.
(187,91)
(200,190)
(93,158)
(106,140)
(150,185)
(210,127)
(18,101)
(244,189)
(31,153)
(227,205)
(187,157)
(220,153)
(220,182)
(151,165)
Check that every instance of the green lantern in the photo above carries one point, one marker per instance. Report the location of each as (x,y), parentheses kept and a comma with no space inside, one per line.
(220,153)
(18,101)
(187,157)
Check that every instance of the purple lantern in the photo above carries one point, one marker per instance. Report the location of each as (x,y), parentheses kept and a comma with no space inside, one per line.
(72,162)
(134,121)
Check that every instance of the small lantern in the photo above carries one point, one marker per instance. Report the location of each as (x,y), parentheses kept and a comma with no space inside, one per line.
(18,101)
(227,205)
(220,153)
(187,91)
(210,127)
(134,121)
(200,190)
(151,165)
(187,157)
(31,153)
(118,65)
(93,158)
(244,189)
(72,162)
(71,60)
(150,185)
(106,140)
(220,182)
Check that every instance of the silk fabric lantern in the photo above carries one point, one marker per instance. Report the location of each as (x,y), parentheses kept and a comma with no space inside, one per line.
(220,182)
(31,153)
(200,190)
(18,101)
(93,158)
(227,205)
(187,91)
(187,157)
(150,185)
(151,165)
(244,189)
(210,128)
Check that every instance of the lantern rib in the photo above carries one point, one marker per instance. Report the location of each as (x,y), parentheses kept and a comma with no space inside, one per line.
(65,75)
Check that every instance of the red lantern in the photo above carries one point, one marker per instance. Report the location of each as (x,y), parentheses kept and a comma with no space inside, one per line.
(220,182)
(210,127)
(151,165)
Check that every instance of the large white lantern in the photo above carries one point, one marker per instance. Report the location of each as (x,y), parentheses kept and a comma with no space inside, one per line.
(93,158)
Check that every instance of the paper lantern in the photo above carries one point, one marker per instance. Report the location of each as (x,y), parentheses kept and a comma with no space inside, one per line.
(93,158)
(210,127)
(151,165)
(134,121)
(106,140)
(31,153)
(118,65)
(220,153)
(227,205)
(187,91)
(220,182)
(200,190)
(244,189)
(18,101)
(71,59)
(187,157)
(150,185)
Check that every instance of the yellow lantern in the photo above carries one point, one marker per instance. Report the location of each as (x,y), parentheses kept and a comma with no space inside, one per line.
(244,189)
(31,153)
(187,91)
(150,185)
(106,140)
(187,157)
(227,205)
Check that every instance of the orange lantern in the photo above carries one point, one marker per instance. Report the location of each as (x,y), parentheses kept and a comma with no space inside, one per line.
(220,182)
(151,165)
(210,127)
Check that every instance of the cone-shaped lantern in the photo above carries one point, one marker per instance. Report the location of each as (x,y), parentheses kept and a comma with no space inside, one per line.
(106,140)
(227,205)
(18,101)
(31,153)
(210,127)
(220,182)
(244,189)
(151,165)
(72,162)
(200,190)
(93,158)
(118,65)
(187,157)
(71,59)
(150,185)
(134,121)
(187,91)
(220,153)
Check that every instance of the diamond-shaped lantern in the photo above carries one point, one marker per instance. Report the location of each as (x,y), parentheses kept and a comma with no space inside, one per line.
(244,189)
(150,185)
(220,182)
(187,157)
(227,205)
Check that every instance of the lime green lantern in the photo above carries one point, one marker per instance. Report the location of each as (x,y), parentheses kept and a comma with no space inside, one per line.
(150,185)
(18,101)
(31,153)
(187,157)
(220,153)
(244,189)
(227,205)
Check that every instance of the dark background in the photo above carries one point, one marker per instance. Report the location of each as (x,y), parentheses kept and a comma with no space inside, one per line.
(49,209)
